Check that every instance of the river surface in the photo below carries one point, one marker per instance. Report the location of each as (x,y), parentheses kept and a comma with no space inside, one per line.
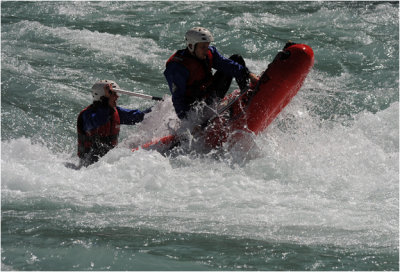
(317,190)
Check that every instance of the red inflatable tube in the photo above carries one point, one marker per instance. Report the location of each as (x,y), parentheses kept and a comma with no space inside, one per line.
(255,110)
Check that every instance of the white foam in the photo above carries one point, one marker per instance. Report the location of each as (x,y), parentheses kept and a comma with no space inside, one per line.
(309,181)
(110,46)
(161,121)
(333,184)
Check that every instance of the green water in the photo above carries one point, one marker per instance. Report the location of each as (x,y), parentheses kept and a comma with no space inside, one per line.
(319,190)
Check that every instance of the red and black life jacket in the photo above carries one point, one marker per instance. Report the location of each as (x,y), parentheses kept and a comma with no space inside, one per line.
(200,74)
(97,142)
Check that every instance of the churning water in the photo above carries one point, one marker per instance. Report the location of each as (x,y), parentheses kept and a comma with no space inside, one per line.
(318,190)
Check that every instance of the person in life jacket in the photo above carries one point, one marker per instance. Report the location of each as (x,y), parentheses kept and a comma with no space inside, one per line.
(98,124)
(189,72)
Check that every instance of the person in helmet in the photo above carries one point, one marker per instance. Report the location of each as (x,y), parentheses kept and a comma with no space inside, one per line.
(189,75)
(98,124)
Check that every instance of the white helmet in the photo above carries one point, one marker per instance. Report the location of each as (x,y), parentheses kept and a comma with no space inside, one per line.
(196,35)
(98,88)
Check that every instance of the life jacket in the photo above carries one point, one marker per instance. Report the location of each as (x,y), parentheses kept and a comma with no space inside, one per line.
(96,143)
(200,74)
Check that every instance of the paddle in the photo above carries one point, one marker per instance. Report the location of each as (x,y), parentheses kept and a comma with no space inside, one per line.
(224,105)
(221,107)
(138,94)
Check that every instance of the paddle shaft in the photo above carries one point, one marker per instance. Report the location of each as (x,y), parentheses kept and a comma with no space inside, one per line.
(138,94)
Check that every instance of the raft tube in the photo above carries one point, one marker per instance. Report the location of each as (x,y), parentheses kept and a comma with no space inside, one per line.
(260,105)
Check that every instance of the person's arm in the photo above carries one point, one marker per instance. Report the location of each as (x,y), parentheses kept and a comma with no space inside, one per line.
(177,75)
(131,117)
(231,67)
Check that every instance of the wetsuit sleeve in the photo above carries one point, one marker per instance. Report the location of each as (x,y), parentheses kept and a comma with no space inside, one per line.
(95,119)
(131,117)
(227,66)
(177,76)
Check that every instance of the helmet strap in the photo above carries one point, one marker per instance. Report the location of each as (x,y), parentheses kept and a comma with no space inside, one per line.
(194,50)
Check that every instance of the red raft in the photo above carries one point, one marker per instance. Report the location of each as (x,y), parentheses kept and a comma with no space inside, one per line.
(256,108)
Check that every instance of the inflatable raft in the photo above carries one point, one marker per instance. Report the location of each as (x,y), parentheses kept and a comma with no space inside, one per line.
(255,108)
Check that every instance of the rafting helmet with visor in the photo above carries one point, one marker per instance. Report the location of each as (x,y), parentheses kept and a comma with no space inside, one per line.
(197,35)
(98,88)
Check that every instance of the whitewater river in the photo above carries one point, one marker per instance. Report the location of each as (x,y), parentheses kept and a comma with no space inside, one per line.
(317,190)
